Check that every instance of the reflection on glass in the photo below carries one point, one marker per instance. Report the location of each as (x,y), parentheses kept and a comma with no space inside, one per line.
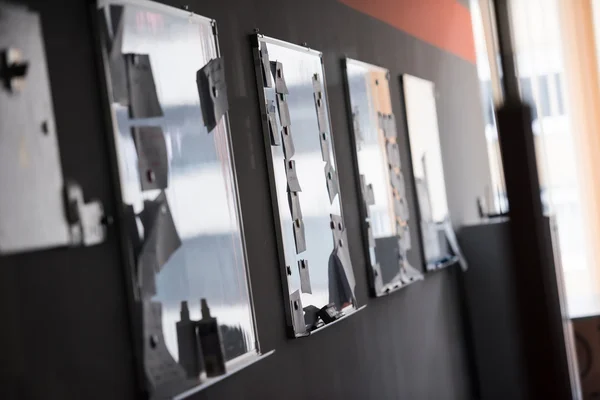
(330,280)
(382,179)
(421,117)
(202,192)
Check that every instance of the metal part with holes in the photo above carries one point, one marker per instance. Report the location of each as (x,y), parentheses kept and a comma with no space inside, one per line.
(14,69)
(32,205)
(85,219)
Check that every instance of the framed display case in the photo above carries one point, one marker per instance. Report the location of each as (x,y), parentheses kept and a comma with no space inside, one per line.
(437,236)
(384,205)
(179,213)
(315,266)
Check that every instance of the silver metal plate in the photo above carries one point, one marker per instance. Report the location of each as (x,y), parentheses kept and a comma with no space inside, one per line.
(32,207)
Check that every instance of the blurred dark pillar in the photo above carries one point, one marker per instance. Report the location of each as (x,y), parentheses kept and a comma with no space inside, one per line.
(540,320)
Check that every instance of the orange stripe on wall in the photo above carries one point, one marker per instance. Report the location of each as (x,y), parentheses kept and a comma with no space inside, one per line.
(443,23)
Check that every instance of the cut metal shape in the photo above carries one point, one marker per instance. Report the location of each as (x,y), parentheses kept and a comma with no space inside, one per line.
(397,181)
(393,155)
(409,273)
(299,237)
(363,187)
(159,366)
(370,235)
(382,123)
(160,229)
(280,86)
(332,182)
(453,242)
(311,317)
(294,200)
(13,69)
(188,343)
(319,104)
(387,255)
(404,238)
(142,97)
(369,194)
(356,126)
(288,142)
(114,26)
(85,219)
(329,313)
(292,177)
(266,67)
(399,227)
(153,160)
(389,126)
(400,209)
(341,279)
(325,154)
(160,242)
(337,228)
(284,111)
(272,121)
(212,88)
(305,285)
(297,313)
(393,133)
(377,278)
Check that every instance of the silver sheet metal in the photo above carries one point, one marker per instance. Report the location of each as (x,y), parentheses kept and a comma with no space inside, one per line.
(32,205)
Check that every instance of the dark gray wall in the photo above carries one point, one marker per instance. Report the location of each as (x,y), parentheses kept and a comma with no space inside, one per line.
(64,332)
(491,306)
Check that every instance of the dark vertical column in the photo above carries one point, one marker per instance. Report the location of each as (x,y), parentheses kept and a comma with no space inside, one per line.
(538,304)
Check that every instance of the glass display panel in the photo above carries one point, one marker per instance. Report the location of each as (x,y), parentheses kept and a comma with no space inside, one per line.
(315,265)
(180,204)
(428,171)
(385,212)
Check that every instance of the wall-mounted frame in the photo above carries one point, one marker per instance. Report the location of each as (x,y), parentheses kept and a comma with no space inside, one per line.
(179,217)
(316,271)
(381,178)
(428,173)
